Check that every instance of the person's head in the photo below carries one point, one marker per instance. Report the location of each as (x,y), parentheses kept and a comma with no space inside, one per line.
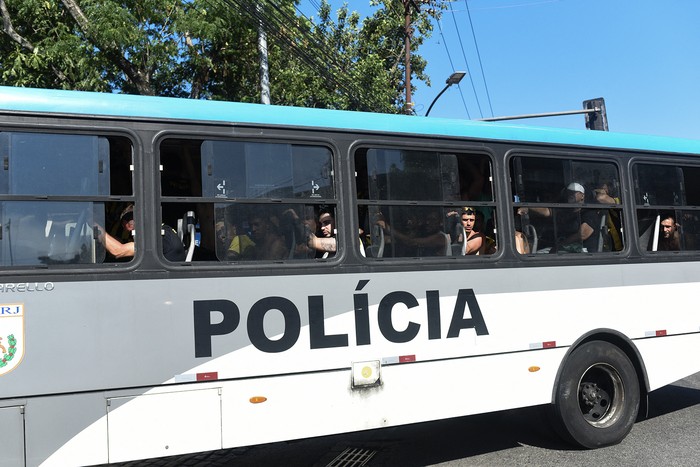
(127,218)
(668,226)
(327,221)
(222,231)
(575,193)
(259,227)
(468,219)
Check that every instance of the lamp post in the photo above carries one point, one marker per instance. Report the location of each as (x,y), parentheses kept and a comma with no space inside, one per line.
(454,78)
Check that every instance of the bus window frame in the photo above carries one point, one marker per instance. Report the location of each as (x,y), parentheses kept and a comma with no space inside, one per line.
(73,127)
(602,156)
(673,162)
(420,144)
(262,136)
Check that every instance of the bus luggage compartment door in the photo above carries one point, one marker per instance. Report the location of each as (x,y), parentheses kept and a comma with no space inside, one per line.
(12,439)
(164,424)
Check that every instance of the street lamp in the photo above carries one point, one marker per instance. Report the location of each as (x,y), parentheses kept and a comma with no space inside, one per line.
(454,78)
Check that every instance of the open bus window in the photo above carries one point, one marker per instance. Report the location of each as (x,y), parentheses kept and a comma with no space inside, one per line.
(75,175)
(289,183)
(411,202)
(565,205)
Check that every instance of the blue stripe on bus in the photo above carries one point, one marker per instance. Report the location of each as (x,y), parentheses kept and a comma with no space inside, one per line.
(125,105)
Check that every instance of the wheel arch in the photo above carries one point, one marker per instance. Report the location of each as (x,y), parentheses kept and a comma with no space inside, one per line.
(625,344)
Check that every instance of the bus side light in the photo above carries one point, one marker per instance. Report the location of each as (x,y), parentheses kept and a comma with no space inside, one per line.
(257,399)
(533,369)
(366,374)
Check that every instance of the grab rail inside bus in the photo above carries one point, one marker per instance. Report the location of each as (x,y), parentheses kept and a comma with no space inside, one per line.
(460,248)
(191,231)
(531,231)
(655,241)
(376,249)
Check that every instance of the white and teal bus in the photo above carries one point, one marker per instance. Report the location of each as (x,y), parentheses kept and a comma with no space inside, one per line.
(578,295)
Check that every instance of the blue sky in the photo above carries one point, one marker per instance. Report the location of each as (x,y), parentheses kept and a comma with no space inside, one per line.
(540,56)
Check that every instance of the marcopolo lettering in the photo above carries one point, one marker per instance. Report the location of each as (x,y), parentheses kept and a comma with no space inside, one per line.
(27,287)
(223,317)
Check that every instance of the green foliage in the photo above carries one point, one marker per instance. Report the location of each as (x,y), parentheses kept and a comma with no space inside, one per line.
(208,49)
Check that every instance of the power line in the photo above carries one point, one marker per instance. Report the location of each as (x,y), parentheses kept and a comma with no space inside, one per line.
(449,57)
(461,44)
(481,64)
(314,4)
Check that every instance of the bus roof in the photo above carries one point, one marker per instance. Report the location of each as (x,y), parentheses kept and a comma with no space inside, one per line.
(148,107)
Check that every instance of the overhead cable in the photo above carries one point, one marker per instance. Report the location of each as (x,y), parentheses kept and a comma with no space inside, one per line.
(461,44)
(449,57)
(481,64)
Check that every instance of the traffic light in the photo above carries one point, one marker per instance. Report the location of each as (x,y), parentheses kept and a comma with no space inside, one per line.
(597,120)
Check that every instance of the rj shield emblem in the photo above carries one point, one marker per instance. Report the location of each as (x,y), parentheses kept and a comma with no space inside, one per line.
(11,337)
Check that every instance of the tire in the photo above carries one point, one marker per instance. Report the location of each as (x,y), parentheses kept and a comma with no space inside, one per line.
(597,399)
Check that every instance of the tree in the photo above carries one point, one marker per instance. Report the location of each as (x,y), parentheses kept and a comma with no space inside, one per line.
(207,49)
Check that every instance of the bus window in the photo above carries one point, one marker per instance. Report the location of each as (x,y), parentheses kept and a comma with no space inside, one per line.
(253,201)
(557,205)
(410,203)
(77,174)
(668,201)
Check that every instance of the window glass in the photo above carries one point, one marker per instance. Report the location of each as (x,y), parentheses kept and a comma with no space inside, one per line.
(265,170)
(566,205)
(255,232)
(50,233)
(658,185)
(54,164)
(393,174)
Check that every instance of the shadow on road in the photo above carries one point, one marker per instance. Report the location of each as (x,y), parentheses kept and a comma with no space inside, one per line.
(671,399)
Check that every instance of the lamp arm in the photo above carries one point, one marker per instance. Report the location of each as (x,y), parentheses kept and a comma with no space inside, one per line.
(436,98)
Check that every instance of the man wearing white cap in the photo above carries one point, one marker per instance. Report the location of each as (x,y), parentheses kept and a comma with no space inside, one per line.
(577,227)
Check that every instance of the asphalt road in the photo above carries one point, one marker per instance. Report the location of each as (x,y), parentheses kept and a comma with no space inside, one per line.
(669,436)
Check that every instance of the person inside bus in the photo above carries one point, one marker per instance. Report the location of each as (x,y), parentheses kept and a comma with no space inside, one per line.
(173,249)
(325,244)
(236,247)
(269,244)
(604,195)
(669,236)
(417,236)
(318,238)
(468,221)
(522,244)
(577,228)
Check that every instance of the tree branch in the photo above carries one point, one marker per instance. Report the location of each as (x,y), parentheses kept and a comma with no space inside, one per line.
(10,31)
(137,76)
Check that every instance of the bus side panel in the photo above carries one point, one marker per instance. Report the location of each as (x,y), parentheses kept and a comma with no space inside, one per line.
(669,358)
(12,439)
(225,414)
(301,406)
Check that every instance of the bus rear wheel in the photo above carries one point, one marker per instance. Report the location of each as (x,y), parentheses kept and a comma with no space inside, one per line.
(597,399)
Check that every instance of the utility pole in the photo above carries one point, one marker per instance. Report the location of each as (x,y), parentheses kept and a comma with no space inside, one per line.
(408,108)
(262,50)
